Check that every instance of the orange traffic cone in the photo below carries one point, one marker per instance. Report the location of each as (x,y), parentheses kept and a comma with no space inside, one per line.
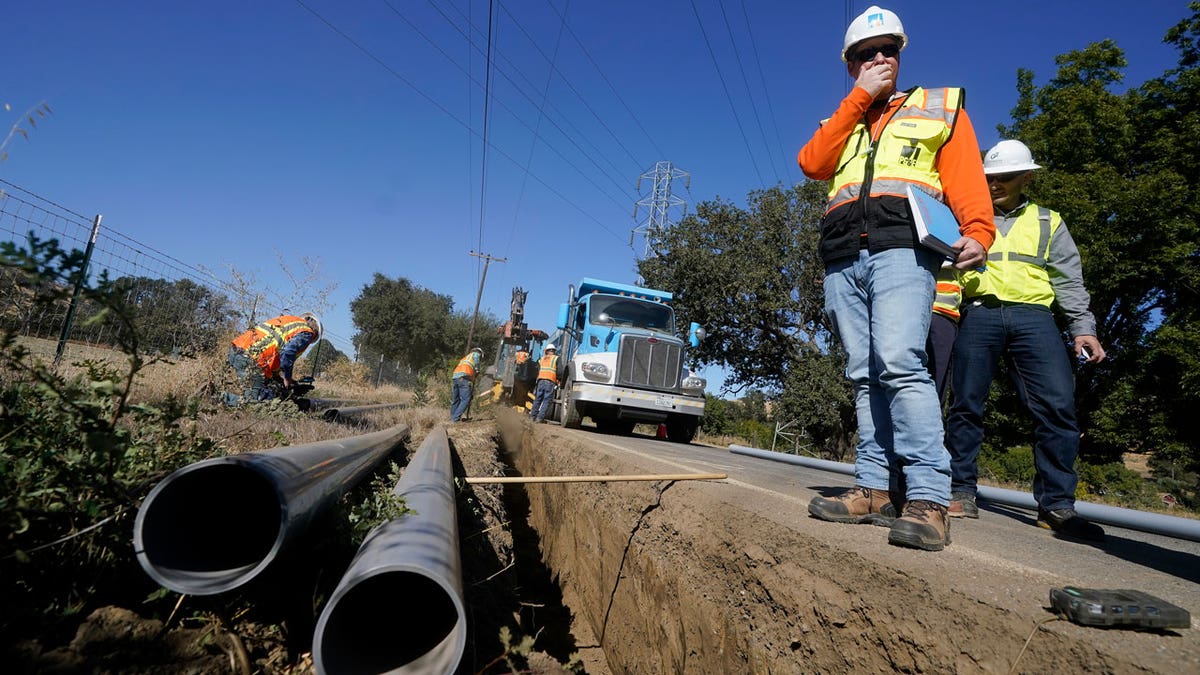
(662,431)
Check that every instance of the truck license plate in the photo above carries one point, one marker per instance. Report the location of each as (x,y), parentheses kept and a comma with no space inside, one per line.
(663,401)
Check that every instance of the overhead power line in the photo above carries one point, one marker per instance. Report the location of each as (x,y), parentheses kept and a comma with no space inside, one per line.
(590,156)
(612,88)
(750,94)
(441,108)
(597,151)
(728,97)
(487,97)
(789,159)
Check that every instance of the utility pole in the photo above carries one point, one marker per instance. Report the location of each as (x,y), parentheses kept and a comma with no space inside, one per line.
(487,259)
(659,203)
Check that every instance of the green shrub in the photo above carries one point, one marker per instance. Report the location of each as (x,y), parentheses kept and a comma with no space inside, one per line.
(76,456)
(1011,466)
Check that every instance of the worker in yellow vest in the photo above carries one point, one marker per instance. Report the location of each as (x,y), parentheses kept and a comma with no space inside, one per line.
(880,283)
(550,371)
(270,350)
(462,383)
(1033,269)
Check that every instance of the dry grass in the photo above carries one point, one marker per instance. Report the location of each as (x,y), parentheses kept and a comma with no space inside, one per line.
(265,426)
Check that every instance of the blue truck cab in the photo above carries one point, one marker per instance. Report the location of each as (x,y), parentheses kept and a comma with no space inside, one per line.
(625,364)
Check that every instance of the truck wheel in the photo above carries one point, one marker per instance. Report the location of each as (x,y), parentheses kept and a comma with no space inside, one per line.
(569,416)
(682,429)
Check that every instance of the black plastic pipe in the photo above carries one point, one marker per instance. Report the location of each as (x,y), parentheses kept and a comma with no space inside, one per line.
(339,414)
(399,607)
(215,525)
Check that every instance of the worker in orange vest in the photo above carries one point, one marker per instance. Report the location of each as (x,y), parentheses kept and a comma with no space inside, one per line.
(269,350)
(462,383)
(549,372)
(523,378)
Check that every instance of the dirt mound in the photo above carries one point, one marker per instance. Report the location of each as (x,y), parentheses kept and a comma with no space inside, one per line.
(679,577)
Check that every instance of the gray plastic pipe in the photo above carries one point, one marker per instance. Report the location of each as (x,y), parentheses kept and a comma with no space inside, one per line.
(215,525)
(1155,523)
(336,414)
(399,607)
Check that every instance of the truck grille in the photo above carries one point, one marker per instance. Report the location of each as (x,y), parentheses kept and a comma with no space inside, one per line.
(645,364)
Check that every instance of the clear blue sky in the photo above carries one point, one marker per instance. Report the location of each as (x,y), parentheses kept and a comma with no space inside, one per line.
(223,132)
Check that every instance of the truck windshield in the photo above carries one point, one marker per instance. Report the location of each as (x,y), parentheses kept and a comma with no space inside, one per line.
(607,310)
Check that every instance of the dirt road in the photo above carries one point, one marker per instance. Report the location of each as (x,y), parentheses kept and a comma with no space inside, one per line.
(734,576)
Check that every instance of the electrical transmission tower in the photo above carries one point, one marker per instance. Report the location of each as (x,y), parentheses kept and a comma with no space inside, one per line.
(659,203)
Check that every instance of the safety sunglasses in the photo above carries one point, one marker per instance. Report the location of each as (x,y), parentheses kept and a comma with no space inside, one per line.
(867,53)
(1005,177)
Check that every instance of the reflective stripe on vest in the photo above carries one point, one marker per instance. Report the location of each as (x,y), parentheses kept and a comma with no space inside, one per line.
(905,152)
(466,366)
(263,342)
(949,293)
(1016,267)
(548,368)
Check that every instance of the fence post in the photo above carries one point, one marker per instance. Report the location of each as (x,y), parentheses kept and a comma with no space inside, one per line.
(83,273)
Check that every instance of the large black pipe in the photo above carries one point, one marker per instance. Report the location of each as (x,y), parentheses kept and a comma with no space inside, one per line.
(339,414)
(399,607)
(216,524)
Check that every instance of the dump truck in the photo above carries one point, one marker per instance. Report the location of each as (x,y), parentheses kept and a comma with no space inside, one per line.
(625,363)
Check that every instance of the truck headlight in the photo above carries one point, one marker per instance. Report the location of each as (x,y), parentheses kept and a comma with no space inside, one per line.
(594,371)
(691,383)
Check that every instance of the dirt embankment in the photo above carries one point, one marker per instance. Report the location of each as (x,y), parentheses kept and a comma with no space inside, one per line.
(677,577)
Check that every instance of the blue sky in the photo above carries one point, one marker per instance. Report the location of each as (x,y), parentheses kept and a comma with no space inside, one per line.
(227,133)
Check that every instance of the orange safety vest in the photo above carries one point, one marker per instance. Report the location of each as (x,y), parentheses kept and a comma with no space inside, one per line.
(949,293)
(548,368)
(263,342)
(522,356)
(466,366)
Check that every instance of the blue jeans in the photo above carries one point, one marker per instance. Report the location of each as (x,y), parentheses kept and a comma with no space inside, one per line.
(1027,338)
(460,397)
(879,305)
(543,397)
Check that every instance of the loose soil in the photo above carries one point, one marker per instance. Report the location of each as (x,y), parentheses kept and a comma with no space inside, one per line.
(667,577)
(683,577)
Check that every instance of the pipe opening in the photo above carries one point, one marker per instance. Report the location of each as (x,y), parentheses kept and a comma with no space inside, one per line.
(420,626)
(211,524)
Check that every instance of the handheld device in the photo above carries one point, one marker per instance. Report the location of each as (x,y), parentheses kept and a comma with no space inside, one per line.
(1117,608)
(1084,354)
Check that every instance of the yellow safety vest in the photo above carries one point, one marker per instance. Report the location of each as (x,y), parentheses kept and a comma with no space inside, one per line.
(1016,262)
(905,153)
(548,368)
(263,342)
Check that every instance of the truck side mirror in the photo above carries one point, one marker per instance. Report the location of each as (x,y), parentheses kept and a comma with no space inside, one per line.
(564,312)
(696,333)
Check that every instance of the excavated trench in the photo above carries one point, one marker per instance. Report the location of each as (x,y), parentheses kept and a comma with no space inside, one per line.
(686,577)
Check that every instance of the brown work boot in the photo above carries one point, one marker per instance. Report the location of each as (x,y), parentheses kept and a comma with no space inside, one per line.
(923,525)
(962,505)
(856,505)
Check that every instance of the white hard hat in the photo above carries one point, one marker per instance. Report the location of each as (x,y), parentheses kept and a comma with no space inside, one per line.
(311,318)
(873,23)
(1008,157)
(477,349)
(551,348)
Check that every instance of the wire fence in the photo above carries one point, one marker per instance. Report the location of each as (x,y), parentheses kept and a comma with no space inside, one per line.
(177,307)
